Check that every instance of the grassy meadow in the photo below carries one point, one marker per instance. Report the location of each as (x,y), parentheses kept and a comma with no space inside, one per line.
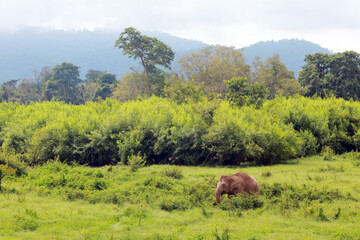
(307,198)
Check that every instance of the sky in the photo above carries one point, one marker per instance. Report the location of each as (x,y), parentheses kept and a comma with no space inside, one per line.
(334,24)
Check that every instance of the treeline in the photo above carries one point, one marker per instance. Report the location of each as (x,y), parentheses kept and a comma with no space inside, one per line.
(205,70)
(215,71)
(165,132)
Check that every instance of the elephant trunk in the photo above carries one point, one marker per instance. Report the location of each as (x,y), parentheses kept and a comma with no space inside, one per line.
(218,193)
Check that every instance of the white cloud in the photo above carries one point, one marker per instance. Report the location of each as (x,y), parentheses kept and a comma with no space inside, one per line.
(331,23)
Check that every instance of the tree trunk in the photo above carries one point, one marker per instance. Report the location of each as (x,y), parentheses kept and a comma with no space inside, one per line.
(147,75)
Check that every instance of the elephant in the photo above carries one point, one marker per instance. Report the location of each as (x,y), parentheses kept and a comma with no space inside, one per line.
(235,184)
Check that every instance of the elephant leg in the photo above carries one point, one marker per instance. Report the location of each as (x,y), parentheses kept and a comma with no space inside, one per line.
(229,199)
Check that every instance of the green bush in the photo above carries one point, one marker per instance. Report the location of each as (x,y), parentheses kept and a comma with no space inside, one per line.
(328,153)
(200,194)
(287,196)
(171,203)
(174,172)
(190,133)
(10,165)
(135,162)
(27,222)
(247,201)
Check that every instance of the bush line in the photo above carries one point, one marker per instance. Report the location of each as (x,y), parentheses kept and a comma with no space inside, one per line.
(164,132)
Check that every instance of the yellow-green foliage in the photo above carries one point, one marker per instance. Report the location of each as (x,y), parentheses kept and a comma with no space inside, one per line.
(10,166)
(191,133)
(136,162)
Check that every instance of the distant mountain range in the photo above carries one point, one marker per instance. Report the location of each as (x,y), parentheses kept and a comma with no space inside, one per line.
(292,52)
(31,49)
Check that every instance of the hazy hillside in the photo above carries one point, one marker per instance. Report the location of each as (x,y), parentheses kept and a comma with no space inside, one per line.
(292,52)
(23,52)
(31,49)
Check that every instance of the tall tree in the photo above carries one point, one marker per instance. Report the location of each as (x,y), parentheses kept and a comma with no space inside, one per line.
(105,84)
(88,88)
(62,85)
(212,65)
(338,74)
(130,87)
(7,90)
(275,76)
(150,51)
(42,76)
(92,75)
(28,90)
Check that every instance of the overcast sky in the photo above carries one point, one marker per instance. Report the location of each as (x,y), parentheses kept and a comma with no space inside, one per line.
(334,24)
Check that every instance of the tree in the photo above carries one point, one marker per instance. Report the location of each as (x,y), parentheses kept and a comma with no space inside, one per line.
(62,85)
(275,76)
(7,90)
(28,90)
(41,77)
(212,65)
(338,74)
(92,75)
(105,84)
(184,92)
(130,87)
(241,93)
(88,88)
(150,51)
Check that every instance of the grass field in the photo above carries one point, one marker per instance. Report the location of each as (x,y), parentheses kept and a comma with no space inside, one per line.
(305,199)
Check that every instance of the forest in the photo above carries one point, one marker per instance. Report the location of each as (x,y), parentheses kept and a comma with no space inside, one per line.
(215,110)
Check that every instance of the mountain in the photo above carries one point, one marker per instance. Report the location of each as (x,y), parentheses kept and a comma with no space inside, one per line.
(292,52)
(31,49)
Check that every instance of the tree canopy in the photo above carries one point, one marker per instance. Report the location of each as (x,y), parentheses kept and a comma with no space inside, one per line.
(337,74)
(212,65)
(150,51)
(275,76)
(63,83)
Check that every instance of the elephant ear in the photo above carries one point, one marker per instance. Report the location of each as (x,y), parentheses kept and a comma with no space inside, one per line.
(231,179)
(226,178)
(223,178)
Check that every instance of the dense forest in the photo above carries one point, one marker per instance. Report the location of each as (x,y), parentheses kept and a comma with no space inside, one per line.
(216,109)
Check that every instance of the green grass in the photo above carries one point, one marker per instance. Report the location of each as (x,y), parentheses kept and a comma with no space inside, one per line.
(306,199)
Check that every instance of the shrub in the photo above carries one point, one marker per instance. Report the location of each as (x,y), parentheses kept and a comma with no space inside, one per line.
(200,194)
(174,172)
(171,203)
(11,161)
(355,157)
(328,153)
(288,196)
(266,173)
(5,170)
(225,235)
(242,202)
(193,133)
(10,165)
(310,145)
(135,162)
(247,201)
(27,221)
(322,216)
